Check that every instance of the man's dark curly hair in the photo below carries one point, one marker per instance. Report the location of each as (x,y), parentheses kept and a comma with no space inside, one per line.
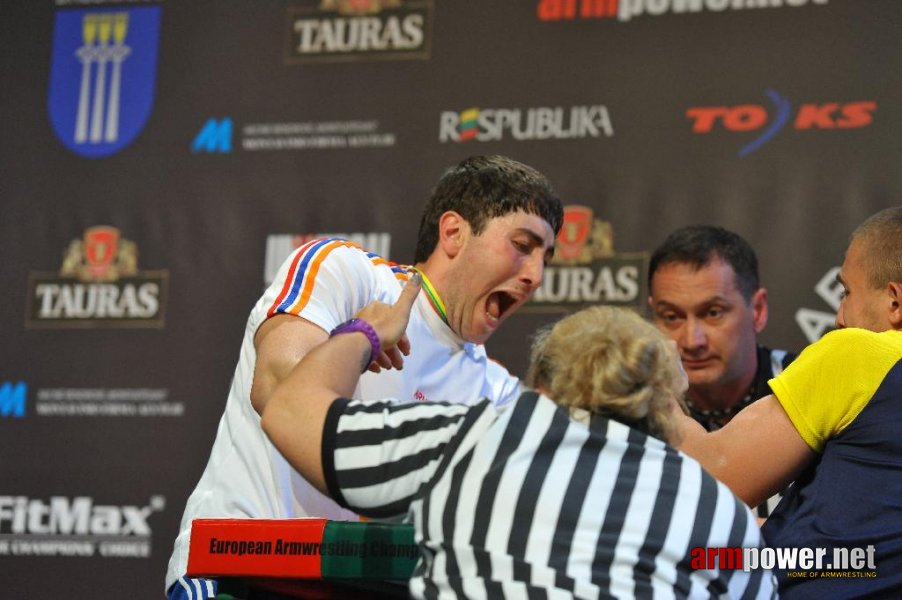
(481,188)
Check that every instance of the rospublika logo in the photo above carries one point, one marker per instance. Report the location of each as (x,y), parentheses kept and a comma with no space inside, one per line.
(12,399)
(214,137)
(98,285)
(626,10)
(64,526)
(102,77)
(280,246)
(348,30)
(585,269)
(768,123)
(541,123)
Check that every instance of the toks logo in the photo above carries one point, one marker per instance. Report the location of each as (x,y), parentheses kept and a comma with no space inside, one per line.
(754,117)
(585,269)
(98,285)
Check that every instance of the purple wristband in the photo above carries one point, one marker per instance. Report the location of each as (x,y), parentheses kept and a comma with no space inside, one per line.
(355,325)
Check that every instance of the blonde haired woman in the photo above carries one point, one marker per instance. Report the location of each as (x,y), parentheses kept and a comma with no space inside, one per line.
(570,491)
(609,361)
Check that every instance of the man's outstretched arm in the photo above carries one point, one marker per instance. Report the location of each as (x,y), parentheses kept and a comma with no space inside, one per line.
(758,453)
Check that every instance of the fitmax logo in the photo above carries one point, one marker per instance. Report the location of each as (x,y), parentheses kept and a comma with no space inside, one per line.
(754,117)
(215,136)
(12,399)
(75,516)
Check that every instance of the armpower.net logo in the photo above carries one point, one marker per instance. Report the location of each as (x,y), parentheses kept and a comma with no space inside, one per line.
(799,563)
(627,10)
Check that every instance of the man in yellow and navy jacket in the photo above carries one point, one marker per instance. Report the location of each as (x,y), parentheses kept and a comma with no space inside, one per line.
(834,426)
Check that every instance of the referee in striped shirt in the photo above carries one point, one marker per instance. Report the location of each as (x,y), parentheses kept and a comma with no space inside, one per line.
(571,492)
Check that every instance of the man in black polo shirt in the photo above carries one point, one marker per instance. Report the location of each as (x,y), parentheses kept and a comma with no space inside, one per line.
(705,295)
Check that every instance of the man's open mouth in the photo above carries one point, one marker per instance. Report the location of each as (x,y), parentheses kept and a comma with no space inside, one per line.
(499,304)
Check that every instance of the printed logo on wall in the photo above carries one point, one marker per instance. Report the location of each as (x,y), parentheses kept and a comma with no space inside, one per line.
(815,323)
(102,77)
(12,399)
(542,123)
(350,30)
(76,527)
(625,10)
(755,117)
(214,136)
(280,246)
(106,402)
(98,285)
(586,271)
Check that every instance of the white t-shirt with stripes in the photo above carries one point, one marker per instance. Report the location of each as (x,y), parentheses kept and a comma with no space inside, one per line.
(326,282)
(525,501)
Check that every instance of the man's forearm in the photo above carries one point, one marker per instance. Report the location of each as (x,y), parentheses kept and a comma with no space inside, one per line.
(758,453)
(296,412)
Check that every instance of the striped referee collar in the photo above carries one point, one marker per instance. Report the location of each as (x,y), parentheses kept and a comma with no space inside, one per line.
(435,301)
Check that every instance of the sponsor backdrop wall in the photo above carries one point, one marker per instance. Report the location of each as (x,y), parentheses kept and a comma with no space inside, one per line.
(159,159)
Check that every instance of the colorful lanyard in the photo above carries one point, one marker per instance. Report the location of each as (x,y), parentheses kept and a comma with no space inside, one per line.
(434,298)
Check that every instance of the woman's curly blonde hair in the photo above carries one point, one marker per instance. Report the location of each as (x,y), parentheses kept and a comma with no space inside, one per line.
(609,361)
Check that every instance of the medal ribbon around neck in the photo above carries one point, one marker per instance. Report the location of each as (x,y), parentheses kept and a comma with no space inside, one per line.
(434,299)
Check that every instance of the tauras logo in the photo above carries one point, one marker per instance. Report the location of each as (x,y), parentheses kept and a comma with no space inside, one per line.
(98,285)
(586,270)
(80,515)
(359,29)
(540,123)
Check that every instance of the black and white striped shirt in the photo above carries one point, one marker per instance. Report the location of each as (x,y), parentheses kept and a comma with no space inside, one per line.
(526,501)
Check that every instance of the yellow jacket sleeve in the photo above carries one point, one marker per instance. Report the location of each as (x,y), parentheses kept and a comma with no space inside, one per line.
(833,379)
